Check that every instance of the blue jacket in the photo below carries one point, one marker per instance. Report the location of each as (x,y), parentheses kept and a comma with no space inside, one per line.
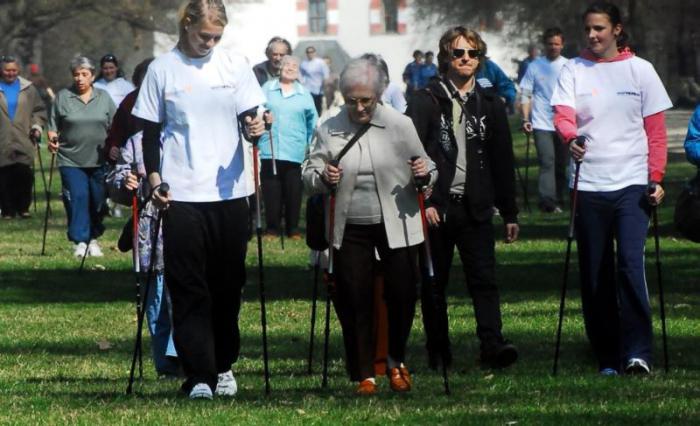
(294,120)
(692,139)
(491,75)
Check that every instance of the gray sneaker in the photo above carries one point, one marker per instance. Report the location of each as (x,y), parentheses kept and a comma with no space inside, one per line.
(226,384)
(201,391)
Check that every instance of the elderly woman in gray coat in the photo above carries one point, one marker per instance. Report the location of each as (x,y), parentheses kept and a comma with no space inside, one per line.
(376,210)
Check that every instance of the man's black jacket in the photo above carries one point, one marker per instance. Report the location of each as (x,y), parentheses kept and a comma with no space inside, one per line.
(490,163)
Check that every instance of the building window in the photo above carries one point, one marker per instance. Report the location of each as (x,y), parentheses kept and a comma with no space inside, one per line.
(318,23)
(391,15)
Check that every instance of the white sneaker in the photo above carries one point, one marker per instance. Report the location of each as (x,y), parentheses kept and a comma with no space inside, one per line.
(79,249)
(201,391)
(226,384)
(94,249)
(637,366)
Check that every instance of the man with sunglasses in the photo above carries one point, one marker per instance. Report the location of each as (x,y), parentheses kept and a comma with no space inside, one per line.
(465,131)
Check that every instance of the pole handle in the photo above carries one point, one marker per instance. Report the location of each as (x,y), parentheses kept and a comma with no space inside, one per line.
(420,181)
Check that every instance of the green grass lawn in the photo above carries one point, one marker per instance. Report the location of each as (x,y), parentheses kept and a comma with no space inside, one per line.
(66,341)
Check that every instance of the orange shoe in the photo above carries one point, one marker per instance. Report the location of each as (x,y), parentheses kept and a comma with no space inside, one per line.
(406,375)
(366,387)
(397,381)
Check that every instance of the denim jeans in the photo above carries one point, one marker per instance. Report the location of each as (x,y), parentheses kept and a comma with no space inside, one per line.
(552,157)
(83,199)
(159,313)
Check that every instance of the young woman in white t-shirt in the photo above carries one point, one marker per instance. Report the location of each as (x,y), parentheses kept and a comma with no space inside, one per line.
(617,101)
(198,94)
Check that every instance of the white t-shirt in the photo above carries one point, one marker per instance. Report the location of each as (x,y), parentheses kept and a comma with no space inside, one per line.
(117,88)
(539,82)
(198,101)
(611,100)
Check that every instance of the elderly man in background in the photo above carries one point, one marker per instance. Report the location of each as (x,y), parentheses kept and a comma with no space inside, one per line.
(314,72)
(22,115)
(276,49)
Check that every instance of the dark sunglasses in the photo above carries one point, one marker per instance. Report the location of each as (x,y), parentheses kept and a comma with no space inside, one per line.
(8,59)
(365,102)
(459,53)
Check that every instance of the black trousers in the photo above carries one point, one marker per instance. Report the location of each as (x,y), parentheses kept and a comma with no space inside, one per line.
(15,189)
(204,251)
(281,193)
(354,271)
(476,245)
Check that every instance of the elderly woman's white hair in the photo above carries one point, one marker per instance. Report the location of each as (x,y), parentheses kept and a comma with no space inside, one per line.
(289,59)
(80,62)
(361,72)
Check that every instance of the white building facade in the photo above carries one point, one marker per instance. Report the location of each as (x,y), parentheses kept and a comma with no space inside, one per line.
(385,27)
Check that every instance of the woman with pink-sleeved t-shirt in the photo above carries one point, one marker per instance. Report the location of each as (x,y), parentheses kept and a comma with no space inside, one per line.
(617,101)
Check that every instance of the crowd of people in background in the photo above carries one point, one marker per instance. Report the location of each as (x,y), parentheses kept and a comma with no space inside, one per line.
(185,119)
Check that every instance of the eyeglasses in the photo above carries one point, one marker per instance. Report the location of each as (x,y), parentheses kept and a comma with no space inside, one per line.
(8,59)
(459,53)
(365,102)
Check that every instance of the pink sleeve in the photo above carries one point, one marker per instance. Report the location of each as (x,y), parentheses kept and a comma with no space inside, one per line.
(655,128)
(565,122)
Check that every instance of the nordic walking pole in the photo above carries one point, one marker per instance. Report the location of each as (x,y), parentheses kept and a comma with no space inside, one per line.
(580,141)
(261,280)
(82,261)
(331,236)
(420,183)
(136,255)
(35,138)
(48,199)
(662,308)
(163,190)
(527,168)
(326,332)
(314,297)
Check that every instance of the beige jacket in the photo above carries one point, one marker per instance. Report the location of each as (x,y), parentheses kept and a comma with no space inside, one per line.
(392,141)
(15,146)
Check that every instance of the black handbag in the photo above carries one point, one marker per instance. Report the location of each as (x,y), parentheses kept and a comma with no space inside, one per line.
(686,215)
(315,205)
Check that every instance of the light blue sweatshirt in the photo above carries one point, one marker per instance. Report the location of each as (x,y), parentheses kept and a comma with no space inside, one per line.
(294,120)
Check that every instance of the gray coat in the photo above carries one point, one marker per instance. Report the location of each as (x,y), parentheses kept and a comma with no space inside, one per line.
(15,146)
(392,141)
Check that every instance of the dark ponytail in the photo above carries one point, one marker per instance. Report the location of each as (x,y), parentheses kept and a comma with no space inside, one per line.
(615,17)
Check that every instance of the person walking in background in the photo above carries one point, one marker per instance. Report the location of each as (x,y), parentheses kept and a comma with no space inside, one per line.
(490,75)
(376,209)
(276,49)
(532,54)
(22,117)
(314,72)
(295,119)
(616,101)
(122,181)
(465,131)
(125,124)
(412,73)
(78,124)
(428,70)
(42,85)
(536,90)
(111,79)
(206,220)
(692,139)
(392,95)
